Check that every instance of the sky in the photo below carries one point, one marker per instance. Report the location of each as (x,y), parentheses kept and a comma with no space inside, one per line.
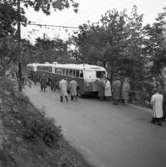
(89,10)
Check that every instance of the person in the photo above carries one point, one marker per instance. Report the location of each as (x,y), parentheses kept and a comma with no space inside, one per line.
(63,90)
(164,106)
(73,89)
(34,78)
(125,90)
(116,90)
(108,92)
(100,88)
(157,107)
(53,84)
(43,82)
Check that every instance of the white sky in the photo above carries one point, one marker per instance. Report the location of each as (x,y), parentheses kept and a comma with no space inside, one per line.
(88,10)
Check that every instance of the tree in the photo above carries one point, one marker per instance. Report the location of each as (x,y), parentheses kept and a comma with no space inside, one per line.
(8,53)
(115,41)
(10,14)
(50,51)
(155,42)
(133,60)
(101,41)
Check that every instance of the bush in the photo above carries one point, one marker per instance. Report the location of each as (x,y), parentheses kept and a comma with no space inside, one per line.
(35,125)
(42,128)
(25,119)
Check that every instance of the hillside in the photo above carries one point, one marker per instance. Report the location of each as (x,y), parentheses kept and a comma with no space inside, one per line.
(27,137)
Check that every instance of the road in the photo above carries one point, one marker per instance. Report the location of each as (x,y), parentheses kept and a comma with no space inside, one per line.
(106,135)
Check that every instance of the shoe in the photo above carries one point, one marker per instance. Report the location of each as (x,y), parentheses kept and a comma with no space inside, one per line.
(152,122)
(159,124)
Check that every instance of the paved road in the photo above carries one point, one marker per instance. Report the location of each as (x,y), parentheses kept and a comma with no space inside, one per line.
(107,135)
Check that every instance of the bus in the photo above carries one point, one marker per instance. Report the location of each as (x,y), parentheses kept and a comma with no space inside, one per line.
(86,75)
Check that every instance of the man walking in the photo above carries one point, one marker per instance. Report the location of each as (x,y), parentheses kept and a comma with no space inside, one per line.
(101,88)
(116,90)
(157,106)
(125,90)
(73,89)
(43,82)
(108,92)
(63,90)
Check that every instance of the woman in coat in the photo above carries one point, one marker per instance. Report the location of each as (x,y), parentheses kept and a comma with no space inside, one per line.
(63,85)
(125,90)
(157,106)
(116,90)
(43,83)
(107,92)
(73,89)
(101,88)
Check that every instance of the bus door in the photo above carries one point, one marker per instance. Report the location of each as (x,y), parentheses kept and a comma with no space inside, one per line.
(90,80)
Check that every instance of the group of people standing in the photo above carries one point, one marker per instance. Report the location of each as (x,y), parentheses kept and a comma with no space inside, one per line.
(118,92)
(104,88)
(67,89)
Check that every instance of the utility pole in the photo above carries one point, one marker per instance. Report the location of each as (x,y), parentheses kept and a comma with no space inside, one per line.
(19,76)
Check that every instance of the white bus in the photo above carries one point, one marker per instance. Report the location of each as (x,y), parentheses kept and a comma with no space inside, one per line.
(86,75)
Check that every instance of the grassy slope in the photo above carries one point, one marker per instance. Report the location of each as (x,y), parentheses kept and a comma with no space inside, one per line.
(17,115)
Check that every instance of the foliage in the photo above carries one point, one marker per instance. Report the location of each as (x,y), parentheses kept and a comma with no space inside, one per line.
(8,53)
(41,128)
(17,149)
(13,51)
(155,42)
(25,119)
(44,5)
(36,125)
(115,41)
(46,50)
(9,17)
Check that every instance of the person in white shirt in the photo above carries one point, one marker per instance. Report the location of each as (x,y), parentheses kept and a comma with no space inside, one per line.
(63,90)
(107,92)
(73,89)
(157,107)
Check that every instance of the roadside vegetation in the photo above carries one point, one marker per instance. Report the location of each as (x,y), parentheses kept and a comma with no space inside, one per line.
(118,41)
(27,137)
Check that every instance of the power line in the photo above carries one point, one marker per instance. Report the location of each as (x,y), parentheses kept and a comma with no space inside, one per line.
(49,25)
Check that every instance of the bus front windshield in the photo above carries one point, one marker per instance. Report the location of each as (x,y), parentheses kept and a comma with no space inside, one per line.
(100,74)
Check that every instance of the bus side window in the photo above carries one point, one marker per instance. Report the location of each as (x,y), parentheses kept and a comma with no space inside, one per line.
(67,72)
(59,71)
(55,71)
(81,74)
(77,73)
(74,73)
(49,69)
(63,72)
(70,73)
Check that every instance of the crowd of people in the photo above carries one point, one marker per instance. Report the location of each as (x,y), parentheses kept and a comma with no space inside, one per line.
(117,92)
(66,88)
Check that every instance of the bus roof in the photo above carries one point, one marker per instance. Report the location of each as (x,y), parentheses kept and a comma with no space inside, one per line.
(70,66)
(80,67)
